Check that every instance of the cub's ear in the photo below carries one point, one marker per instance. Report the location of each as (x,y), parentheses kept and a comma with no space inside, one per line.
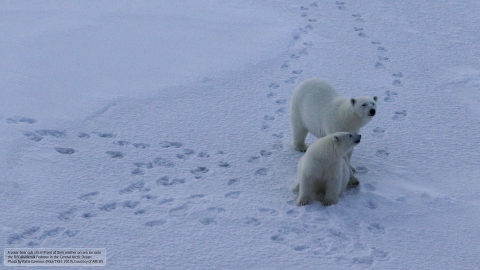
(352,101)
(375,98)
(336,138)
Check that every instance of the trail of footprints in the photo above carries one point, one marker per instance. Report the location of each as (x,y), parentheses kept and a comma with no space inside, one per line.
(337,243)
(138,194)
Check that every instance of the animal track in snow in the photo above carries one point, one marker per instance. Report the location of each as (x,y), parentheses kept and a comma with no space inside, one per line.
(358,18)
(291,80)
(19,237)
(132,187)
(252,221)
(382,153)
(224,164)
(121,143)
(179,210)
(21,120)
(341,5)
(265,153)
(300,248)
(371,204)
(188,151)
(141,145)
(204,155)
(32,136)
(361,170)
(108,207)
(146,165)
(379,65)
(268,211)
(281,111)
(67,215)
(278,135)
(391,95)
(398,75)
(232,181)
(199,171)
(167,144)
(208,221)
(274,85)
(163,162)
(65,151)
(376,228)
(254,159)
(89,215)
(89,196)
(130,204)
(139,212)
(381,49)
(268,118)
(397,83)
(83,135)
(399,115)
(378,132)
(52,133)
(261,171)
(166,181)
(104,135)
(155,223)
(233,195)
(370,187)
(115,154)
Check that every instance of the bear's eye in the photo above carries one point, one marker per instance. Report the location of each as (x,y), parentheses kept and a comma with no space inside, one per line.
(350,135)
(364,105)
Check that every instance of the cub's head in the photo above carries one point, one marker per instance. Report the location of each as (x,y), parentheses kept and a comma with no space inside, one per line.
(345,141)
(364,107)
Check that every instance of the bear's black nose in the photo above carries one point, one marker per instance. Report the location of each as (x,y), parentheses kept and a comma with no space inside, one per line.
(372,112)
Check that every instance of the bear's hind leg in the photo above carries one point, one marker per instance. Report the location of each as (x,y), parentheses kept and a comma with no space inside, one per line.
(333,189)
(305,190)
(299,134)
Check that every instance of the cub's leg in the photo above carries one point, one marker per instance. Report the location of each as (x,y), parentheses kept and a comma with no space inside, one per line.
(353,182)
(305,191)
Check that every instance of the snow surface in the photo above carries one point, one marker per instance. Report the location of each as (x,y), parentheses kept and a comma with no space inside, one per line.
(159,131)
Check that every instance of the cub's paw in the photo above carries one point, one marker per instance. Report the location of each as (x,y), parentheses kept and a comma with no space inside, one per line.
(328,202)
(304,201)
(353,182)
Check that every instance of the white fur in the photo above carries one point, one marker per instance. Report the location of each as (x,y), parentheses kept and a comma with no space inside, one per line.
(317,108)
(323,168)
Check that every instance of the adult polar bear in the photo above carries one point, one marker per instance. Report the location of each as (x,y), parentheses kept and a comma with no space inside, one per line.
(317,108)
(324,169)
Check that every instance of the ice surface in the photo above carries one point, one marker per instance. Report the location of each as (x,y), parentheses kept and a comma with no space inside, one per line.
(160,132)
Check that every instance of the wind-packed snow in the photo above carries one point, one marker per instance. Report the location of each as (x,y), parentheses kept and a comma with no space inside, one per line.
(160,132)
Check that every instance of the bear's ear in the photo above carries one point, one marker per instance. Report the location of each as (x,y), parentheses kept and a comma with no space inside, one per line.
(375,98)
(352,101)
(336,138)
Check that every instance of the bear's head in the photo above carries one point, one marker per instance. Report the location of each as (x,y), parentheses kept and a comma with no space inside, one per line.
(345,141)
(364,107)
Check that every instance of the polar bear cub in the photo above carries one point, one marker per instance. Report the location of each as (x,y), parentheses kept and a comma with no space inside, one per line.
(317,108)
(323,169)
